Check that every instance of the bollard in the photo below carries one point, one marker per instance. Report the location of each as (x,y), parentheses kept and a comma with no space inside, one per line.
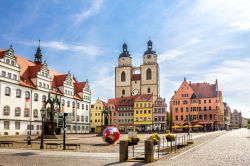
(149,151)
(123,151)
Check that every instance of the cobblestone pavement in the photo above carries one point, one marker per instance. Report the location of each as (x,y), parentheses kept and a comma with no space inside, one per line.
(230,149)
(20,157)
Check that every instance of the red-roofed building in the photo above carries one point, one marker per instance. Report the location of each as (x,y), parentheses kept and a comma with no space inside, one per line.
(24,84)
(198,103)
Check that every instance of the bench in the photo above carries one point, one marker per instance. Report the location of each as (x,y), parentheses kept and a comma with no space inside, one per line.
(75,145)
(53,144)
(6,143)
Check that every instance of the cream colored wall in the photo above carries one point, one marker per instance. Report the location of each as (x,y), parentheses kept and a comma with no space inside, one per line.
(149,59)
(125,61)
(126,85)
(136,85)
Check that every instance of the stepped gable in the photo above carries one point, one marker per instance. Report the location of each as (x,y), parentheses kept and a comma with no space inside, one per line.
(204,90)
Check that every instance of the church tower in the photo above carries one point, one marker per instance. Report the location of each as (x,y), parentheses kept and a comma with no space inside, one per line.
(150,72)
(38,55)
(123,73)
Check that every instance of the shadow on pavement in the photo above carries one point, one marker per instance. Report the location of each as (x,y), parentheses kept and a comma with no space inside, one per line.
(25,154)
(132,163)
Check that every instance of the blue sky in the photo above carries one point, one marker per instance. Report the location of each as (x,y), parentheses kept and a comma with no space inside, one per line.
(199,40)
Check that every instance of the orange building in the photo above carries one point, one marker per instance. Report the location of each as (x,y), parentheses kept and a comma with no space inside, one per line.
(199,103)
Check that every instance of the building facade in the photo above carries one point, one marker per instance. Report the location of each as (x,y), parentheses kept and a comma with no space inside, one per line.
(236,119)
(160,114)
(97,116)
(143,112)
(132,81)
(25,85)
(198,103)
(227,116)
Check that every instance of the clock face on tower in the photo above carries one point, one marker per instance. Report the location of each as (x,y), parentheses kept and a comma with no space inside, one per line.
(135,92)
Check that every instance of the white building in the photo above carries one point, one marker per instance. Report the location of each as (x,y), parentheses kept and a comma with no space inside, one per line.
(24,85)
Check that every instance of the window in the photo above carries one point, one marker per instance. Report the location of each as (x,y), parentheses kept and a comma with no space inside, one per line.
(209,100)
(17,125)
(26,113)
(27,95)
(87,107)
(205,101)
(78,105)
(149,74)
(149,111)
(3,73)
(6,125)
(18,93)
(9,75)
(14,77)
(205,108)
(73,104)
(35,113)
(186,109)
(6,110)
(176,110)
(17,111)
(209,108)
(181,109)
(123,92)
(68,103)
(123,77)
(7,91)
(181,117)
(7,61)
(185,102)
(148,90)
(176,117)
(44,98)
(35,97)
(12,63)
(78,118)
(82,106)
(86,119)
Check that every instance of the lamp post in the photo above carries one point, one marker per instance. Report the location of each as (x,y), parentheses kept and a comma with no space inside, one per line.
(43,113)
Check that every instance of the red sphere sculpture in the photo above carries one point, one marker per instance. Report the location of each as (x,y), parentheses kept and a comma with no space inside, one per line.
(110,135)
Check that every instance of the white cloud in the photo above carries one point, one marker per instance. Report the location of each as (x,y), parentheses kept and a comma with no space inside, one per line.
(85,14)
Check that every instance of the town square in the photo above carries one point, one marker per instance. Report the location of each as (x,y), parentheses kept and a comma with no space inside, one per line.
(105,82)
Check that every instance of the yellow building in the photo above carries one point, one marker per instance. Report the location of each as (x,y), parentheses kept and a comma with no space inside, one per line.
(96,119)
(143,112)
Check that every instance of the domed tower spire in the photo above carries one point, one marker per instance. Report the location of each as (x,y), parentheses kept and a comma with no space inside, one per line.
(38,54)
(125,52)
(149,48)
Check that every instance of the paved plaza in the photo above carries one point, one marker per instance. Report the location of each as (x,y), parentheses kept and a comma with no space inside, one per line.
(215,148)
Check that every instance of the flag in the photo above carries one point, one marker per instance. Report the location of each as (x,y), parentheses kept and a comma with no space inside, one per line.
(27,104)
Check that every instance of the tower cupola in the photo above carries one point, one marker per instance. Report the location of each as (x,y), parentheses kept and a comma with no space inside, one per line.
(38,54)
(125,58)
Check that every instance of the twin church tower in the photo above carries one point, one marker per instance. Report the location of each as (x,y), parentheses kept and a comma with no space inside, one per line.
(131,81)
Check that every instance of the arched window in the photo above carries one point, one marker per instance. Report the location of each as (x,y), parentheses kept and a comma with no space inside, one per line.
(7,91)
(27,95)
(35,97)
(6,110)
(18,93)
(149,74)
(68,103)
(149,91)
(17,111)
(44,98)
(123,77)
(35,113)
(26,112)
(123,92)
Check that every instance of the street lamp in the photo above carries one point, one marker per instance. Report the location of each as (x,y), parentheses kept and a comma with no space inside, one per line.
(43,114)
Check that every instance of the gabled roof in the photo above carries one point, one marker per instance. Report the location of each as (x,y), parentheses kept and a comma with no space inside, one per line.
(204,90)
(79,86)
(29,69)
(1,53)
(136,77)
(33,70)
(144,97)
(58,80)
